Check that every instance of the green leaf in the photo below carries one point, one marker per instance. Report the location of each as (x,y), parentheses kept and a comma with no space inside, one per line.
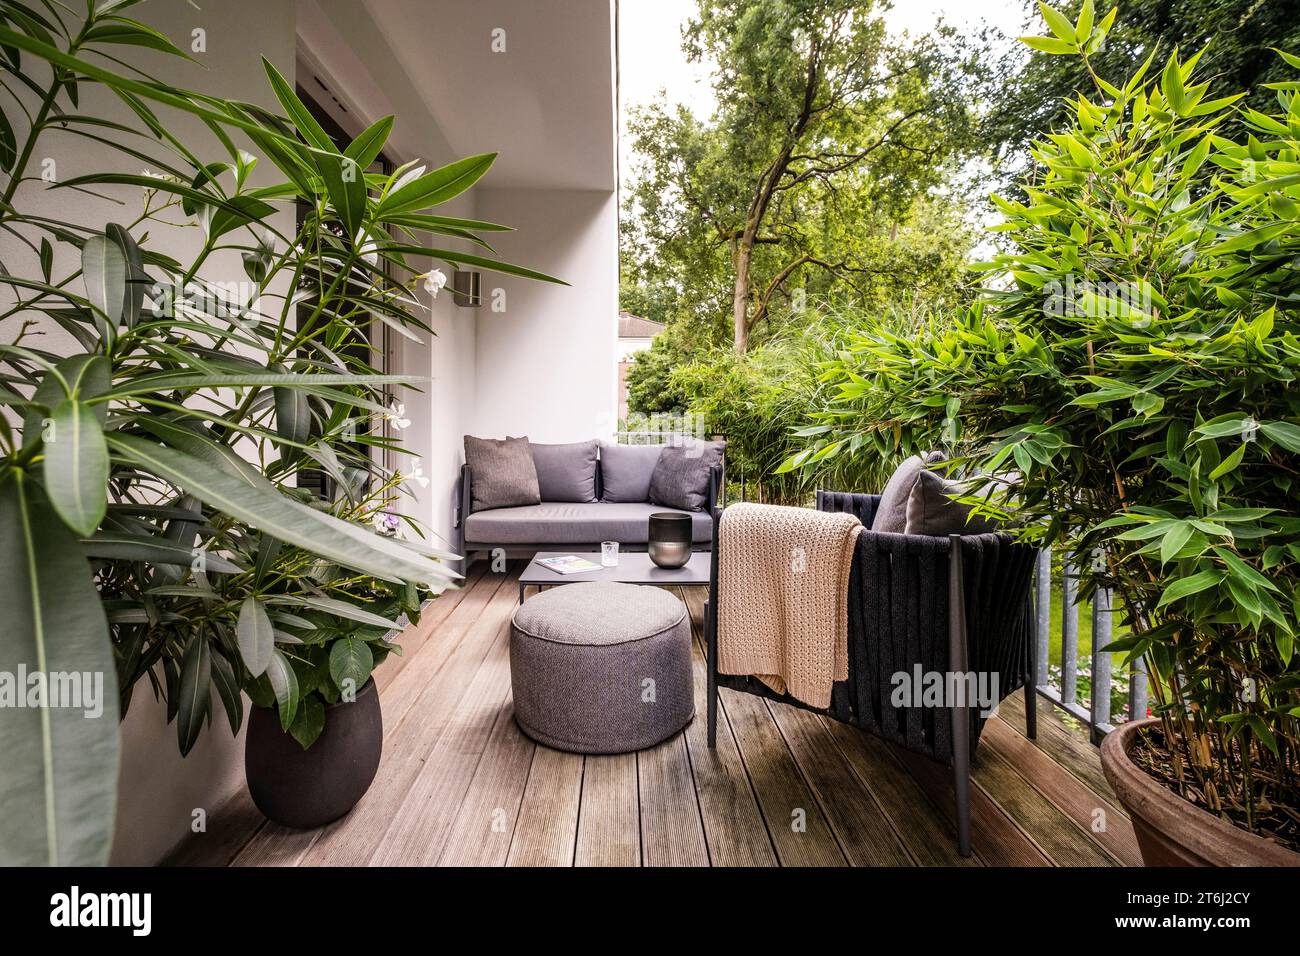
(1230,463)
(345,182)
(365,149)
(256,636)
(350,660)
(310,721)
(1083,29)
(297,111)
(1186,587)
(59,785)
(136,278)
(1048,45)
(103,270)
(436,187)
(1058,22)
(334,606)
(152,549)
(1284,433)
(195,693)
(76,466)
(227,684)
(284,684)
(133,33)
(1173,541)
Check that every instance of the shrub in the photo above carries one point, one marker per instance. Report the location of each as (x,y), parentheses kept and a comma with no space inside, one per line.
(1137,368)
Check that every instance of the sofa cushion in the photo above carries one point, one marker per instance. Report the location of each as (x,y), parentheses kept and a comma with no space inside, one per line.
(681,476)
(625,471)
(569,524)
(931,510)
(891,512)
(566,472)
(502,473)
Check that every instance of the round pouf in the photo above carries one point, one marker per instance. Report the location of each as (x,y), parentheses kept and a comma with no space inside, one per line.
(601,668)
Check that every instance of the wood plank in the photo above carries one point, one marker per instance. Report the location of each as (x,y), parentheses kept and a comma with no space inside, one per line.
(994,835)
(417,832)
(278,846)
(609,826)
(733,825)
(353,840)
(1063,842)
(929,835)
(1065,790)
(485,823)
(795,822)
(547,829)
(432,616)
(671,832)
(229,829)
(861,828)
(1069,747)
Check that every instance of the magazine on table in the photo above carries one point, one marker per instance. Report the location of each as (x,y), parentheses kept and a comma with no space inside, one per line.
(568,564)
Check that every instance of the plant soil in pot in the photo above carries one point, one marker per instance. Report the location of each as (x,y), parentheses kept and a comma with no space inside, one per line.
(309,788)
(1172,831)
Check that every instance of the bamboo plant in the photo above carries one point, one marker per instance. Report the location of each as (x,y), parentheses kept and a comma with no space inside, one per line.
(1134,365)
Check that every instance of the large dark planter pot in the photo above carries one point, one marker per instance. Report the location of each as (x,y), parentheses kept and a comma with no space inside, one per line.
(1170,831)
(309,788)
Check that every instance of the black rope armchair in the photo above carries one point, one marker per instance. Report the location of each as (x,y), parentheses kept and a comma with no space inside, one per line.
(952,605)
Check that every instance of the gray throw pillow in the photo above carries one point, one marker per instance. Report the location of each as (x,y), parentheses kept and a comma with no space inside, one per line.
(625,471)
(502,473)
(891,512)
(931,510)
(681,478)
(566,472)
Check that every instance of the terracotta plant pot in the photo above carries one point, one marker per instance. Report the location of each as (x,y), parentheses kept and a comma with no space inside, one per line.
(309,788)
(1170,830)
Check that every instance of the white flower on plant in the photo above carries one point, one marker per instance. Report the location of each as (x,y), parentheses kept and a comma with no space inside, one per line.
(434,281)
(387,524)
(396,416)
(417,476)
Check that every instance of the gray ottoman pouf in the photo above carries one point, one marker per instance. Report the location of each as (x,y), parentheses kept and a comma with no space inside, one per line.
(601,668)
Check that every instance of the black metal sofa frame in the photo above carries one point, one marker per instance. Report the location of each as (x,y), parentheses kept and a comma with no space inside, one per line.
(960,603)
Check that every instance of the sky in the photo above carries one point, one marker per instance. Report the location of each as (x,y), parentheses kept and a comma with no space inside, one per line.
(651,58)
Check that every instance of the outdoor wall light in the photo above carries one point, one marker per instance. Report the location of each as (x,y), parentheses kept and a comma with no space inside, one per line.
(467,289)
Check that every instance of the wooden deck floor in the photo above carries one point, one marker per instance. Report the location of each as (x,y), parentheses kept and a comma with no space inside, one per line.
(460,785)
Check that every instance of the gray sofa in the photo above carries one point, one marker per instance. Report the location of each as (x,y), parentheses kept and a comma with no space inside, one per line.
(524,530)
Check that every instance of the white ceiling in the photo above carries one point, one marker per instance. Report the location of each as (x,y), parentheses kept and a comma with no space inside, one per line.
(547,105)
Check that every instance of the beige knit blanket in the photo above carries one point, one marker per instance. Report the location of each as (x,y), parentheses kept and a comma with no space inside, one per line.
(783,583)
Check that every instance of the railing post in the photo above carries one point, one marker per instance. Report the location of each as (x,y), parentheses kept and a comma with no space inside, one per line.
(1137,690)
(1043,606)
(1069,632)
(1101,662)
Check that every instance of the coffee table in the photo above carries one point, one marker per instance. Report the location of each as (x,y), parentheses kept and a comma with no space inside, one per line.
(634,567)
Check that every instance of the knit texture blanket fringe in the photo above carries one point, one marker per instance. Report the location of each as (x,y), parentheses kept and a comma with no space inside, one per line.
(783,583)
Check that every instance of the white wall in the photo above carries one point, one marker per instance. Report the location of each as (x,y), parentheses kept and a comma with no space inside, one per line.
(547,365)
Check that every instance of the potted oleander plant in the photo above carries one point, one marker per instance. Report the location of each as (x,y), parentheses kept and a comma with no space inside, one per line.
(1135,364)
(154,524)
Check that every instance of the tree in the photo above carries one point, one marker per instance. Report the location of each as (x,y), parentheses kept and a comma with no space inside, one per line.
(826,133)
(1033,101)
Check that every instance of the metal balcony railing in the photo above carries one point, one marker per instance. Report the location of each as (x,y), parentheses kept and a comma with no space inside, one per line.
(1059,597)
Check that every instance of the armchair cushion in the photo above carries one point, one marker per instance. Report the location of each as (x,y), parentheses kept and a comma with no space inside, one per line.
(681,476)
(625,471)
(566,472)
(503,472)
(931,510)
(891,512)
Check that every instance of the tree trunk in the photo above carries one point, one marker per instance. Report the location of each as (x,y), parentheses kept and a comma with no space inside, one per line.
(740,301)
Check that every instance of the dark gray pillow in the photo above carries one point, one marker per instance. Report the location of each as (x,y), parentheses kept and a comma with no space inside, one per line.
(891,512)
(566,472)
(931,510)
(502,473)
(681,478)
(625,471)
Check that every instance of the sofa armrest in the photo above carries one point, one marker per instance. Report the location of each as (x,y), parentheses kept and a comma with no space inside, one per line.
(464,497)
(717,487)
